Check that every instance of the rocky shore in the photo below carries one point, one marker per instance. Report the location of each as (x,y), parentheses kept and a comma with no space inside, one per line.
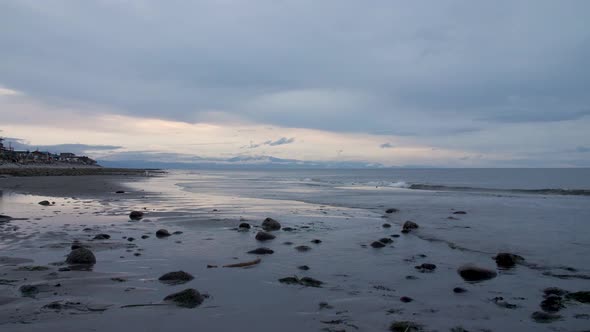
(68,170)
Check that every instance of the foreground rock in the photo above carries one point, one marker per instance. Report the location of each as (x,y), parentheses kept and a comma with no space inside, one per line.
(81,256)
(392,210)
(45,203)
(261,251)
(507,260)
(377,244)
(409,226)
(269,224)
(4,218)
(305,281)
(244,226)
(264,236)
(102,237)
(135,215)
(405,326)
(188,298)
(176,277)
(543,317)
(160,233)
(582,296)
(425,267)
(474,273)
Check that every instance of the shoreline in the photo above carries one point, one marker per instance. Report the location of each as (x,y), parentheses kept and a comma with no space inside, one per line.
(63,170)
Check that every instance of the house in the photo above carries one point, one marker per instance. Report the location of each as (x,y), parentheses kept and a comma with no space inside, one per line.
(67,157)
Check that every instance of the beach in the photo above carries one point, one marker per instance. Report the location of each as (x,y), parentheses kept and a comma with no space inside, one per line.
(341,258)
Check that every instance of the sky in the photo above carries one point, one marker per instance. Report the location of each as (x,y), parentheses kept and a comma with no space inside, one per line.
(383,82)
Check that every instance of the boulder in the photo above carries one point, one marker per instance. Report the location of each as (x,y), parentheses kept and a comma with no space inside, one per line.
(81,256)
(386,225)
(474,273)
(264,236)
(507,260)
(261,251)
(244,226)
(269,224)
(188,298)
(176,277)
(160,233)
(45,203)
(135,215)
(408,226)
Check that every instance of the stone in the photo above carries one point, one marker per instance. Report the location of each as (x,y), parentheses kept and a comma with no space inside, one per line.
(135,215)
(459,212)
(386,240)
(377,244)
(583,296)
(261,251)
(161,233)
(45,203)
(552,303)
(409,226)
(288,229)
(303,267)
(316,241)
(392,210)
(130,239)
(302,248)
(269,224)
(406,299)
(145,236)
(244,226)
(405,326)
(554,291)
(543,317)
(507,260)
(459,290)
(176,278)
(264,236)
(29,290)
(425,267)
(386,225)
(120,192)
(305,281)
(188,298)
(102,237)
(473,273)
(81,256)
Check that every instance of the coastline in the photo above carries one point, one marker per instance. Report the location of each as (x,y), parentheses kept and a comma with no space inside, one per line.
(70,170)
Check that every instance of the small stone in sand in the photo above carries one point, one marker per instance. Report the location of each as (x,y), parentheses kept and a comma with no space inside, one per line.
(176,277)
(405,326)
(392,210)
(459,212)
(316,241)
(264,236)
(305,281)
(507,260)
(29,290)
(102,237)
(135,215)
(45,203)
(459,290)
(130,239)
(543,317)
(377,244)
(386,240)
(386,225)
(269,224)
(162,233)
(288,229)
(552,303)
(302,248)
(303,267)
(406,299)
(426,267)
(81,256)
(474,273)
(145,236)
(261,251)
(177,232)
(408,226)
(120,192)
(244,226)
(188,298)
(582,296)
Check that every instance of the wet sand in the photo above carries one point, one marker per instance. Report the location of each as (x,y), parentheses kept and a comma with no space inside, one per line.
(364,288)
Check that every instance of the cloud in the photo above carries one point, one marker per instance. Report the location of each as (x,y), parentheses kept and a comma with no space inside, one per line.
(21,144)
(386,146)
(280,141)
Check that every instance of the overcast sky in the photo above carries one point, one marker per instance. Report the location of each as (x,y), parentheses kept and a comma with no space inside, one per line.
(440,83)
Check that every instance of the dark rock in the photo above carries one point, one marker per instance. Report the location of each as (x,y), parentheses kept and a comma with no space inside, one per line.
(552,303)
(392,210)
(289,280)
(305,281)
(145,236)
(543,317)
(288,243)
(303,267)
(406,299)
(160,233)
(426,267)
(554,291)
(261,251)
(386,225)
(188,298)
(459,290)
(102,237)
(583,296)
(269,224)
(120,192)
(177,233)
(176,277)
(474,273)
(500,302)
(507,260)
(408,226)
(135,215)
(244,225)
(459,212)
(405,326)
(264,236)
(377,244)
(386,240)
(4,218)
(45,203)
(288,229)
(395,235)
(81,256)
(29,290)
(325,305)
(302,248)
(130,239)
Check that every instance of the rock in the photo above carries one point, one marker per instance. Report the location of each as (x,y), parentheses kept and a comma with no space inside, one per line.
(474,273)
(459,290)
(269,224)
(507,260)
(45,203)
(426,267)
(552,303)
(302,248)
(145,236)
(303,267)
(386,225)
(554,291)
(135,215)
(405,326)
(120,192)
(392,210)
(102,237)
(161,233)
(305,281)
(406,299)
(188,298)
(377,244)
(261,251)
(316,241)
(459,212)
(264,236)
(288,229)
(81,256)
(408,226)
(583,296)
(29,290)
(176,277)
(386,240)
(543,317)
(4,218)
(244,226)
(289,280)
(130,239)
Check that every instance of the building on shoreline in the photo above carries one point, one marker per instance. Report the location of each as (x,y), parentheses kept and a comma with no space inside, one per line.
(9,155)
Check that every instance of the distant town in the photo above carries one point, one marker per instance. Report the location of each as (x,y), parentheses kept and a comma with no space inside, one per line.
(9,155)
